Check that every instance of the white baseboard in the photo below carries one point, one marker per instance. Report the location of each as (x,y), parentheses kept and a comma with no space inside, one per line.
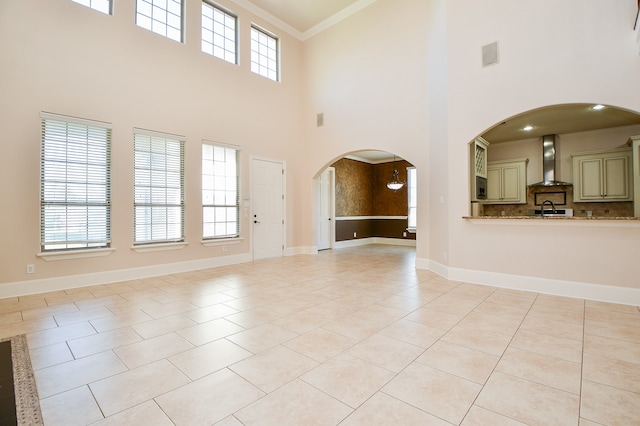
(374,240)
(587,291)
(23,288)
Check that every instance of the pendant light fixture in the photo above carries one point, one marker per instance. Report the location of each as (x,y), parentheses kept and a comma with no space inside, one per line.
(394,184)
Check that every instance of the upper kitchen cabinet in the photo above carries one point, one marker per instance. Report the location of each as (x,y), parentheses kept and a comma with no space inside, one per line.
(478,168)
(601,176)
(634,143)
(507,182)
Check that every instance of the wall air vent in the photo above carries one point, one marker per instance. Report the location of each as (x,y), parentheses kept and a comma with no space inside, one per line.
(490,54)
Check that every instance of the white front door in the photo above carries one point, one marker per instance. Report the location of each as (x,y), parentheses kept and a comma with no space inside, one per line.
(267,188)
(325,209)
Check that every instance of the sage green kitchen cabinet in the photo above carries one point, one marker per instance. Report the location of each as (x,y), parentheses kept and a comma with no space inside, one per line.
(507,182)
(478,166)
(601,176)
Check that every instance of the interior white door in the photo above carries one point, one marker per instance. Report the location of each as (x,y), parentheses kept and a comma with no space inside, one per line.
(325,209)
(268,208)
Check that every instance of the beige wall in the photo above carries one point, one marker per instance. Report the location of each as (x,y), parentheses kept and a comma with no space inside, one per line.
(550,53)
(64,58)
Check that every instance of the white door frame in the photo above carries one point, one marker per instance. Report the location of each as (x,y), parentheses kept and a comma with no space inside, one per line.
(284,201)
(332,210)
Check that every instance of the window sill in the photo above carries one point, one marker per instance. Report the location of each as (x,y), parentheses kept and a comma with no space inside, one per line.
(147,248)
(75,254)
(221,242)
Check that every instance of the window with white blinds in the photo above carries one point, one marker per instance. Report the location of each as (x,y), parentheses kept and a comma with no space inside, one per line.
(158,187)
(103,6)
(264,54)
(412,198)
(75,184)
(219,32)
(220,189)
(163,17)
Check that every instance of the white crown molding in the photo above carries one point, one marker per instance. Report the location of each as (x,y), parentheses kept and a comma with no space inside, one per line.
(316,29)
(368,161)
(333,20)
(269,18)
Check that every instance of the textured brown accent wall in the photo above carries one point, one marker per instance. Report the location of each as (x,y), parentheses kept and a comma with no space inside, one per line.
(391,228)
(346,228)
(361,188)
(354,195)
(365,228)
(385,201)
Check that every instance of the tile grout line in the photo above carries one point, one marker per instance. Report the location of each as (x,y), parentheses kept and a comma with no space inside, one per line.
(500,359)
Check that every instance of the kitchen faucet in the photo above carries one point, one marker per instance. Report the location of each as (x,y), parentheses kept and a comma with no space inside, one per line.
(553,207)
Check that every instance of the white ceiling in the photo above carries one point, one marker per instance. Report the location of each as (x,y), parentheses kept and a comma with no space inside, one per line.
(560,119)
(372,156)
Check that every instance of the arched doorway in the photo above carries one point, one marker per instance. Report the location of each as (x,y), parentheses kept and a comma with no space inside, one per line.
(354,206)
(560,151)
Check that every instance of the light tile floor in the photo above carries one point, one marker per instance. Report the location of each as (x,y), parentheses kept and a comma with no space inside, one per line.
(352,336)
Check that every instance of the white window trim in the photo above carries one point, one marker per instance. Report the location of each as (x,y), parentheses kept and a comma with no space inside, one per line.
(258,28)
(147,248)
(213,241)
(90,6)
(411,229)
(75,254)
(78,253)
(182,22)
(83,121)
(169,245)
(221,241)
(237,32)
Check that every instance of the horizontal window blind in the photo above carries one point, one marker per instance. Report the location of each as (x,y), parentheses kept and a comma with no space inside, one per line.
(220,192)
(75,184)
(158,188)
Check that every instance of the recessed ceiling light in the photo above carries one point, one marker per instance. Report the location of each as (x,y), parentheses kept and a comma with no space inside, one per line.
(597,107)
(527,128)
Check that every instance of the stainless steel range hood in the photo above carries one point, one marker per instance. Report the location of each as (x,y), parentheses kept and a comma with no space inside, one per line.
(549,163)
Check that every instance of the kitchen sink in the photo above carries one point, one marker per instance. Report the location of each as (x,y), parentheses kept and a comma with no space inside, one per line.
(551,213)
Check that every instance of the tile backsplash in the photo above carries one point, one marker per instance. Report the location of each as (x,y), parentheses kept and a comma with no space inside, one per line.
(562,197)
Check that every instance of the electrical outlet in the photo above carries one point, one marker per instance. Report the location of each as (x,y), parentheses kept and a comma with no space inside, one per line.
(355,235)
(31,268)
(404,234)
(224,248)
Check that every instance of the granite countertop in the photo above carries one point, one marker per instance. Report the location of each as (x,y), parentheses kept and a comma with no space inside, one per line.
(553,218)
